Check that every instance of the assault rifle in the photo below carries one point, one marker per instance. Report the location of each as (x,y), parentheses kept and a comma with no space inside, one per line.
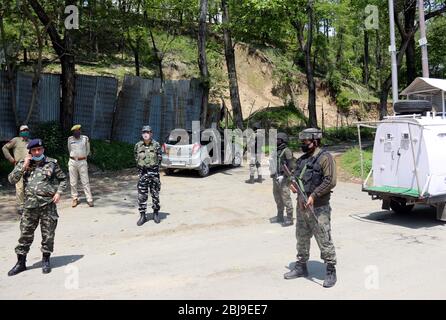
(302,198)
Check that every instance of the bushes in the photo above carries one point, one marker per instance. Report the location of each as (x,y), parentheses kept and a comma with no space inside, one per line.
(105,155)
(112,155)
(351,161)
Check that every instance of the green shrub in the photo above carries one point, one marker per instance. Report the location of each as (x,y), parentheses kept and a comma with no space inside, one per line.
(112,155)
(351,161)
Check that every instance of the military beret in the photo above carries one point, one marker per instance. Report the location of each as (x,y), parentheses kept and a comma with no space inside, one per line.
(34,143)
(76,127)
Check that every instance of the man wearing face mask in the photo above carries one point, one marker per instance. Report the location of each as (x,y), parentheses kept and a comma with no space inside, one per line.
(316,173)
(79,149)
(148,158)
(44,183)
(17,146)
(281,185)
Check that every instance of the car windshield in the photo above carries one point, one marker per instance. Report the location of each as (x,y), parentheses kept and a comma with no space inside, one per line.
(183,137)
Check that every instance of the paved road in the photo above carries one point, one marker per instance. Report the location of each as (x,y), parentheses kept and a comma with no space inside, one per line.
(216,242)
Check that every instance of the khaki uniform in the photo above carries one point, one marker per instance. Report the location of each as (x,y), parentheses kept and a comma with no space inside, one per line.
(19,151)
(79,150)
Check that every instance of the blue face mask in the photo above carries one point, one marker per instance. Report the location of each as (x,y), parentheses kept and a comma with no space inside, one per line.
(38,158)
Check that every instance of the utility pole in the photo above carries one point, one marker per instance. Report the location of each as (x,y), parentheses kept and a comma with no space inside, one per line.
(392,50)
(423,40)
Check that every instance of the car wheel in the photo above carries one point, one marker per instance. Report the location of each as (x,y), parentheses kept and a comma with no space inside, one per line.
(168,172)
(204,169)
(400,206)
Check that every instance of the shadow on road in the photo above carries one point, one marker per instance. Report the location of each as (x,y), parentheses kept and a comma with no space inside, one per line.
(224,169)
(421,216)
(58,261)
(316,270)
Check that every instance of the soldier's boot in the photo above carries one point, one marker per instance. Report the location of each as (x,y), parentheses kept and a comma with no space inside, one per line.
(46,267)
(142,220)
(259,179)
(330,277)
(19,266)
(251,180)
(300,270)
(288,221)
(74,203)
(156,216)
(278,218)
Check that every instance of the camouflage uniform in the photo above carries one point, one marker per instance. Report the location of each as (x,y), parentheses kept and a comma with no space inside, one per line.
(281,189)
(41,181)
(306,223)
(148,159)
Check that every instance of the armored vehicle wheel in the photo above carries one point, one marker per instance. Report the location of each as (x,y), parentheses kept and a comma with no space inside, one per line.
(399,206)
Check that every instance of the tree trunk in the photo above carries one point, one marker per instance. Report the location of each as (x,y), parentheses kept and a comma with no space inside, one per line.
(366,58)
(409,22)
(202,62)
(309,69)
(64,49)
(231,66)
(158,56)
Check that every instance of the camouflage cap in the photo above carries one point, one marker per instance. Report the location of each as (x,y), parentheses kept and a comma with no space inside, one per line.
(310,134)
(283,136)
(34,143)
(146,129)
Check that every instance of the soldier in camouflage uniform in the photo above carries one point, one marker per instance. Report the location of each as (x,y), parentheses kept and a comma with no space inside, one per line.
(44,182)
(254,163)
(148,158)
(281,185)
(316,171)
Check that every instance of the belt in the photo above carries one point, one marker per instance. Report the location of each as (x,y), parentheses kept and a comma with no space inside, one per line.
(83,158)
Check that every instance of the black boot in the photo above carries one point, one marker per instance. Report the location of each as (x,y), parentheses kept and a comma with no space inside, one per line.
(259,179)
(46,267)
(251,180)
(300,270)
(19,266)
(142,220)
(287,222)
(277,219)
(156,216)
(330,278)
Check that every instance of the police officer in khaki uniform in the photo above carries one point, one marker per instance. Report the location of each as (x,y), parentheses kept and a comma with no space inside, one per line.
(17,146)
(79,149)
(316,173)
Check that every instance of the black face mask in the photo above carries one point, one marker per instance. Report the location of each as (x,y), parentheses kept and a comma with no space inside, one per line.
(306,147)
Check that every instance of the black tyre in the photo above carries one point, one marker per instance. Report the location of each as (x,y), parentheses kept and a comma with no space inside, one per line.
(168,172)
(412,106)
(204,170)
(399,206)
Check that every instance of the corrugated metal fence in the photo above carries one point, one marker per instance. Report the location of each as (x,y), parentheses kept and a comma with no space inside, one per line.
(103,114)
(143,101)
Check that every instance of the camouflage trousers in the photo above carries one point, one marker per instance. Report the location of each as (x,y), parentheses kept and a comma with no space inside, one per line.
(282,196)
(307,226)
(254,166)
(149,180)
(47,215)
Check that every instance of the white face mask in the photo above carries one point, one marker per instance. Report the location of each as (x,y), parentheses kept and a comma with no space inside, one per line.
(146,136)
